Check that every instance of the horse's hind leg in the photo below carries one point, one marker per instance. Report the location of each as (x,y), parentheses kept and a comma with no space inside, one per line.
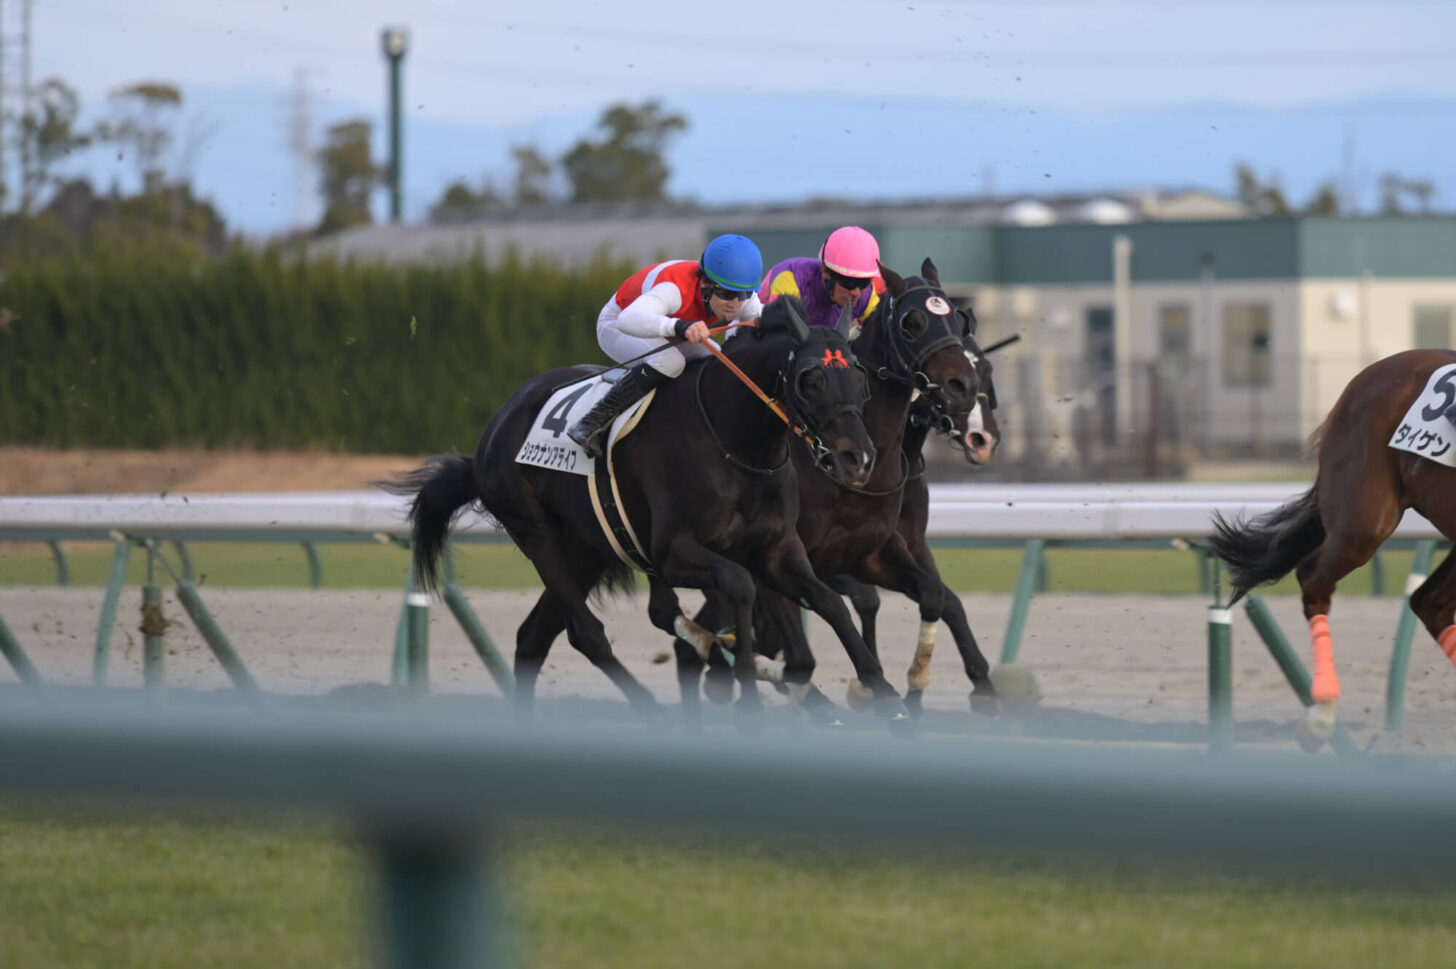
(568,578)
(533,641)
(1350,541)
(1435,603)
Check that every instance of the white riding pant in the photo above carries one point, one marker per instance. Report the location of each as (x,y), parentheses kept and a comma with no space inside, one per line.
(624,346)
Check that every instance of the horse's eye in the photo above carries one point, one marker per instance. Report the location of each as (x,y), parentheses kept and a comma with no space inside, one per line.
(812,383)
(913,324)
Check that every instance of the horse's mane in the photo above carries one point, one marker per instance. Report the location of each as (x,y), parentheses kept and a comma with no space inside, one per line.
(1315,439)
(775,316)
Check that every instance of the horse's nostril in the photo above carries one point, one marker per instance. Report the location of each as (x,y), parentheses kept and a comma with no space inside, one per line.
(959,387)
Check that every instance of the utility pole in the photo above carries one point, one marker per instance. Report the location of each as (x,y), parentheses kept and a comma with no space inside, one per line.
(14,84)
(396,42)
(300,145)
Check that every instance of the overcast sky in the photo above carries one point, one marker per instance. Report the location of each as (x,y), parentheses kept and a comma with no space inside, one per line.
(545,67)
(472,62)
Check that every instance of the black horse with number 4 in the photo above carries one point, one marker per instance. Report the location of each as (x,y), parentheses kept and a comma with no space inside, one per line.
(705,481)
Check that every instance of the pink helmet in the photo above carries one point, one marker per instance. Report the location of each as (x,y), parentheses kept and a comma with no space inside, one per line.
(851,251)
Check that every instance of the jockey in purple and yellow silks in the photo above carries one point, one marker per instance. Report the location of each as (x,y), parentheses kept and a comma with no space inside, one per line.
(844,273)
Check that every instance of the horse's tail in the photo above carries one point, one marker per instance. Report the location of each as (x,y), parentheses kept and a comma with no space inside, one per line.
(1265,549)
(442,487)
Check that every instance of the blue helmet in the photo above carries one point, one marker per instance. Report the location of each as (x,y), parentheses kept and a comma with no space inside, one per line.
(733,262)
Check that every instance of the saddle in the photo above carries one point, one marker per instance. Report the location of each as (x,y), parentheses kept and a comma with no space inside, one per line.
(547,446)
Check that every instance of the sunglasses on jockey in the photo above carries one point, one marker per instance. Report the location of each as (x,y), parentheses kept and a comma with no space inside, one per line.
(728,295)
(851,284)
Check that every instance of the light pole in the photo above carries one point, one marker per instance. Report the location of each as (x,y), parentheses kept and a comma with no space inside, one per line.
(396,42)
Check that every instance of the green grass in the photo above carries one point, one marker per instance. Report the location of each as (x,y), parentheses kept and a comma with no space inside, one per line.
(503,566)
(83,891)
(268,564)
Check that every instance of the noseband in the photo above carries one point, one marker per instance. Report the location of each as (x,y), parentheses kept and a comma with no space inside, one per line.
(786,388)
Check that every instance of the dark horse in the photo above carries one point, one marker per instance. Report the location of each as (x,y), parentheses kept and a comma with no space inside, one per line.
(912,346)
(1361,490)
(978,439)
(704,480)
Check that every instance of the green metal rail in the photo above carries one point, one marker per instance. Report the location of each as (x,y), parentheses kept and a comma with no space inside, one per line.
(432,795)
(411,646)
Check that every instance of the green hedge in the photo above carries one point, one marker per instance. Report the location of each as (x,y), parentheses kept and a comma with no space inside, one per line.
(264,350)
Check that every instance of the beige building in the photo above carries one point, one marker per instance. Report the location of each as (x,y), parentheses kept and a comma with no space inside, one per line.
(1155,327)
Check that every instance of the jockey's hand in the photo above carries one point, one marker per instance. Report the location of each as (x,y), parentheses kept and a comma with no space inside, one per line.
(692,332)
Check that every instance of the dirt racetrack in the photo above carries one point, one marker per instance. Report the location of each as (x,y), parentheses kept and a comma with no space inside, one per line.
(1110,667)
(1127,668)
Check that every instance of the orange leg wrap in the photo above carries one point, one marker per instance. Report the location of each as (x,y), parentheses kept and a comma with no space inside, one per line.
(1447,641)
(1326,680)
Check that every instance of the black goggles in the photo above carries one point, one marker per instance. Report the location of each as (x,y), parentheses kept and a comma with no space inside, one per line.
(852,284)
(730,294)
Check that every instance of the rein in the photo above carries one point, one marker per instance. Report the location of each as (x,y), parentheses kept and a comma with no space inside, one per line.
(708,423)
(808,437)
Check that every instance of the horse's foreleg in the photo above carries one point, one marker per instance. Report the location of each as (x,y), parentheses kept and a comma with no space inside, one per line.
(893,566)
(689,564)
(665,612)
(953,614)
(865,599)
(788,572)
(1435,603)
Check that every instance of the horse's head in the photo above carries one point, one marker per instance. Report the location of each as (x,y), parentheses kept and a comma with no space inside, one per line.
(915,338)
(982,433)
(824,389)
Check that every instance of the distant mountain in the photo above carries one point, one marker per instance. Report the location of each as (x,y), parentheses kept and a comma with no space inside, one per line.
(761,148)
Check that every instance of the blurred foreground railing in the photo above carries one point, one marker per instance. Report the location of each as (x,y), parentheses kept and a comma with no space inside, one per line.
(431,794)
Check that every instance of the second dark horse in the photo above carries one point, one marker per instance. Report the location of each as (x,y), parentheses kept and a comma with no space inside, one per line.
(912,345)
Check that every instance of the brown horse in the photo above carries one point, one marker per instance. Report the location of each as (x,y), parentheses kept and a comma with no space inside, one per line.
(1363,486)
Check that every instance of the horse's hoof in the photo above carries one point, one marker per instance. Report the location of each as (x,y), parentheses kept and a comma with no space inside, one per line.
(984,704)
(903,727)
(1316,726)
(1308,742)
(1016,687)
(718,686)
(651,712)
(858,696)
(914,704)
(768,670)
(748,717)
(823,715)
(891,708)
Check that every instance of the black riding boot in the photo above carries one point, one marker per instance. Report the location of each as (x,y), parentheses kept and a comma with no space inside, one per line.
(632,386)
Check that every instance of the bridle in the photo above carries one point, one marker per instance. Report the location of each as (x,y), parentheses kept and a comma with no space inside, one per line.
(908,357)
(794,411)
